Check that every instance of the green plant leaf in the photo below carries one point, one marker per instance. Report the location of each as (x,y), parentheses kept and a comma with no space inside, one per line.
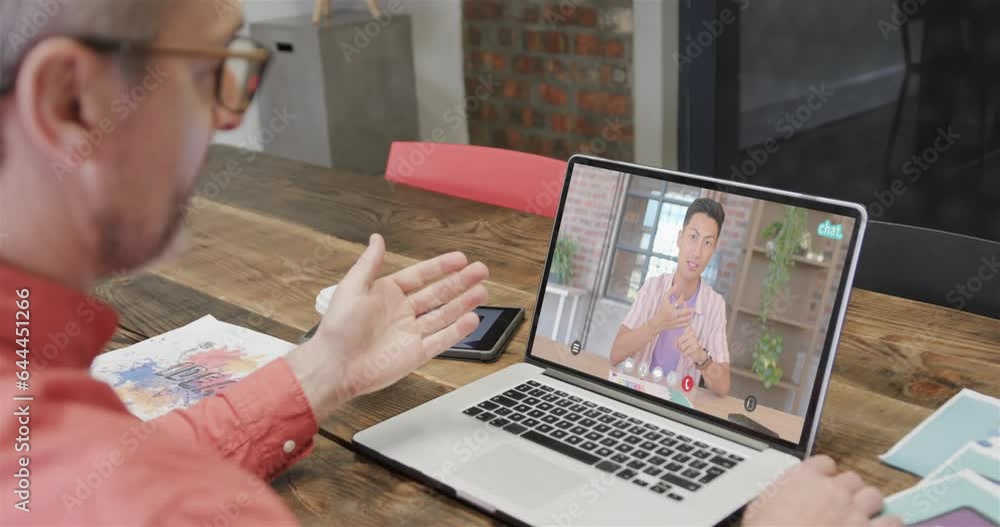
(562,259)
(786,235)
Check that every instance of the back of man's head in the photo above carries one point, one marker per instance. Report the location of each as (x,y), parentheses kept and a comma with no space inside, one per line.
(107,110)
(23,22)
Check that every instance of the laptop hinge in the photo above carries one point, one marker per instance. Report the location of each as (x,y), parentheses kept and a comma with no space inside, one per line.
(658,410)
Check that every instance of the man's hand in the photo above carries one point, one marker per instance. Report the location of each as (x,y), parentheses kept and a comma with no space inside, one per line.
(689,346)
(378,331)
(814,494)
(669,316)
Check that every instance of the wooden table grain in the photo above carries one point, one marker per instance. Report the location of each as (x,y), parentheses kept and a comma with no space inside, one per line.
(269,233)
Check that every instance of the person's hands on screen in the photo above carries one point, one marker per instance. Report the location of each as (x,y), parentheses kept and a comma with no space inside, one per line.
(376,331)
(668,315)
(689,346)
(814,494)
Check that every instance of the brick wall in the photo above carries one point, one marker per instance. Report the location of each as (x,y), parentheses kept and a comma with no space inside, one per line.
(588,220)
(731,243)
(563,69)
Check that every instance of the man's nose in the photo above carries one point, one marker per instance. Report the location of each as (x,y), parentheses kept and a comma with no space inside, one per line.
(697,250)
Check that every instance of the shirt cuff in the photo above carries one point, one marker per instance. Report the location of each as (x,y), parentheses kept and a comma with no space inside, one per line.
(277,419)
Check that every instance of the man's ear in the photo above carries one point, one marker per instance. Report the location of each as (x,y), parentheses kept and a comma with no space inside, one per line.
(57,89)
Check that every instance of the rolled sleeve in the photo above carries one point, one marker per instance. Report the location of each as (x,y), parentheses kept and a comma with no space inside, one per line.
(638,314)
(264,422)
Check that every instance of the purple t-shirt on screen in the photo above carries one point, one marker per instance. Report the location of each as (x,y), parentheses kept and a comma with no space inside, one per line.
(666,355)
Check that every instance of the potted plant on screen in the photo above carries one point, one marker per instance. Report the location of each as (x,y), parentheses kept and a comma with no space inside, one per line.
(784,241)
(562,261)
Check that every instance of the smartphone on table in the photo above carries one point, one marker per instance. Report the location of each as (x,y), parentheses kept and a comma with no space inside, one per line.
(487,341)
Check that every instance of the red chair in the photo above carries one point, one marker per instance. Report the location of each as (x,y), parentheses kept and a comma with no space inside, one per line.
(515,180)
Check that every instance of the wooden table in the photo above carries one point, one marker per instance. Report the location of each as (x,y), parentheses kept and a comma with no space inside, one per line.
(269,233)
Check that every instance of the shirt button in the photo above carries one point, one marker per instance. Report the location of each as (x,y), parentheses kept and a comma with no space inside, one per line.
(289,446)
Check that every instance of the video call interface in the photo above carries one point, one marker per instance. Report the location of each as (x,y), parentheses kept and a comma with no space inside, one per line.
(717,302)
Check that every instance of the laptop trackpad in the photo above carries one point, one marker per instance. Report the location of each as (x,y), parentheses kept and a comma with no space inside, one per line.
(521,476)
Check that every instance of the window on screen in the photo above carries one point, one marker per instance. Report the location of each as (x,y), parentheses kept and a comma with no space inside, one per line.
(651,215)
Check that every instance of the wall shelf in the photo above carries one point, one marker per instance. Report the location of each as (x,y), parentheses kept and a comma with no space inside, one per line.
(809,295)
(780,320)
(743,372)
(798,259)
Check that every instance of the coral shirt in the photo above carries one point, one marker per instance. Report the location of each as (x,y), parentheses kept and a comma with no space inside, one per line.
(90,462)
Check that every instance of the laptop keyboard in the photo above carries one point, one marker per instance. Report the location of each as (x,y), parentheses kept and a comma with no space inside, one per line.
(665,462)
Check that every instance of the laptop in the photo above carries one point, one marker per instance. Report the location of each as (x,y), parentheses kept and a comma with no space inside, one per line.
(638,402)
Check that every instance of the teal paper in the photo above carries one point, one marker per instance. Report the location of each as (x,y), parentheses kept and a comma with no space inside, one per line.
(978,458)
(930,499)
(968,416)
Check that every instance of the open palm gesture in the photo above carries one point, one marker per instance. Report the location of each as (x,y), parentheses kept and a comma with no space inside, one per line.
(377,331)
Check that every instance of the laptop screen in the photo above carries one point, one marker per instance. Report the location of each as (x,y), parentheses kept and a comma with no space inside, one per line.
(719,299)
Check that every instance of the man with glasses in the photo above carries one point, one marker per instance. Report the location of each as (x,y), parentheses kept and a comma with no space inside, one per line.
(88,190)
(78,205)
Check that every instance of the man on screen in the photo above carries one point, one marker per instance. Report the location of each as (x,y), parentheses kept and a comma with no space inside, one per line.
(677,322)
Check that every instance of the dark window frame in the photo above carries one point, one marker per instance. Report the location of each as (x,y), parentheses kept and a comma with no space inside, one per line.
(648,253)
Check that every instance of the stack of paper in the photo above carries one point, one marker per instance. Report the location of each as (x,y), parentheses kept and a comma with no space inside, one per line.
(178,368)
(957,452)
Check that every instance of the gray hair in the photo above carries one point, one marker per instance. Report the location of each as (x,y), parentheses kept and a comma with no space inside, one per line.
(25,22)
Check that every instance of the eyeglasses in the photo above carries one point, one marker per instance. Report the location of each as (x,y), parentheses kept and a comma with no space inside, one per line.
(238,78)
